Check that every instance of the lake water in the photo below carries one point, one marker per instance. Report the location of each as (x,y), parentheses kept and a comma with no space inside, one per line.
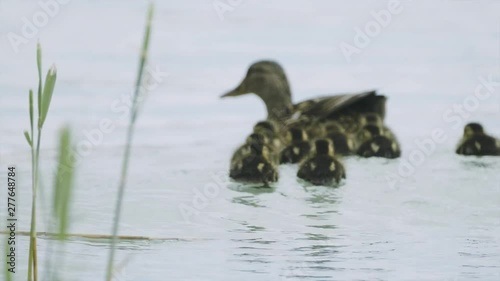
(430,215)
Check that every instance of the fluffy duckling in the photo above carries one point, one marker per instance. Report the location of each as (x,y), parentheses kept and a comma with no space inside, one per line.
(321,167)
(252,163)
(256,140)
(351,122)
(476,142)
(372,119)
(374,144)
(367,133)
(268,129)
(332,126)
(311,125)
(375,119)
(343,144)
(298,147)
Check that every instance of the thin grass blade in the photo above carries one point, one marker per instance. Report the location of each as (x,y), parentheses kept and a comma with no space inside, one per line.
(28,138)
(142,61)
(39,67)
(130,132)
(31,109)
(48,90)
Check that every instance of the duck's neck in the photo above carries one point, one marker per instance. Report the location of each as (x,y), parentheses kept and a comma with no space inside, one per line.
(278,100)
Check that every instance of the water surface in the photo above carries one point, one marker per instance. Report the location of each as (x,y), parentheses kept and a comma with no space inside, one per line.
(439,220)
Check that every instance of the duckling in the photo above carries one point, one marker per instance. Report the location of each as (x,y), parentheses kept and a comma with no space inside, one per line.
(252,163)
(351,122)
(374,144)
(321,167)
(367,133)
(298,147)
(372,118)
(476,142)
(343,144)
(311,125)
(255,140)
(268,129)
(332,126)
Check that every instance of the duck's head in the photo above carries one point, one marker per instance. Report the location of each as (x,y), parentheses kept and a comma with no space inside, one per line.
(472,129)
(267,79)
(324,147)
(296,135)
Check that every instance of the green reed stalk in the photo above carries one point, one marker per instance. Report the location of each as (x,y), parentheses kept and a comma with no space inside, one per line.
(43,104)
(130,132)
(62,191)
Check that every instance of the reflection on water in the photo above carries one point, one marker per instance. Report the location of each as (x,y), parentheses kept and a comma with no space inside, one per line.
(440,222)
(251,201)
(488,162)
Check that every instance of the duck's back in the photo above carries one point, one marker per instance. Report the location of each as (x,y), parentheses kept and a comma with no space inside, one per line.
(331,107)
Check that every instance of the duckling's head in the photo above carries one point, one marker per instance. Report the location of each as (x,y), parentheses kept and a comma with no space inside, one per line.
(342,143)
(296,135)
(267,79)
(311,125)
(372,119)
(258,144)
(472,129)
(266,128)
(371,131)
(334,127)
(257,138)
(324,147)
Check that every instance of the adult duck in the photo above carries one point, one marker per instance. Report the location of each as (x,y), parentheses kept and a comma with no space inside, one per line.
(268,80)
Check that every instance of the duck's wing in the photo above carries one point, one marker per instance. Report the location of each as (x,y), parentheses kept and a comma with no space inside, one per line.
(328,106)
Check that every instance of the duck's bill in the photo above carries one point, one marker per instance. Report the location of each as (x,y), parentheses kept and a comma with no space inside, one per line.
(233,93)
